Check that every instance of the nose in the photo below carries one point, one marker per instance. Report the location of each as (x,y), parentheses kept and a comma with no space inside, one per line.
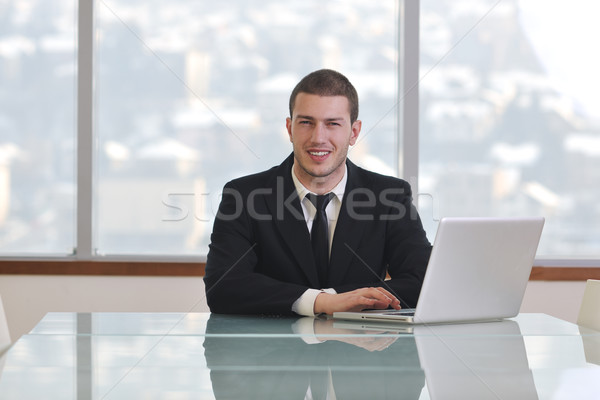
(319,133)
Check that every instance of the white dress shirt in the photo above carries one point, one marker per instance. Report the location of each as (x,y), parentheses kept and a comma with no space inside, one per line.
(305,304)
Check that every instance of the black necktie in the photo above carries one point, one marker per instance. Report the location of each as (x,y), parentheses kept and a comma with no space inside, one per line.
(319,236)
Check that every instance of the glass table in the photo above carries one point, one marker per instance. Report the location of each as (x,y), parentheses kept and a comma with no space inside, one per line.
(208,356)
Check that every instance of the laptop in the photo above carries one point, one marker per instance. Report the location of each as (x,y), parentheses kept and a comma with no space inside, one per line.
(478,271)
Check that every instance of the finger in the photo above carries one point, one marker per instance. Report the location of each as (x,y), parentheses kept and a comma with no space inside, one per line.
(383,295)
(395,302)
(372,303)
(381,304)
(359,303)
(388,293)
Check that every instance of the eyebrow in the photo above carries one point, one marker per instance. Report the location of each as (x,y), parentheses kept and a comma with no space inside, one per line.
(313,118)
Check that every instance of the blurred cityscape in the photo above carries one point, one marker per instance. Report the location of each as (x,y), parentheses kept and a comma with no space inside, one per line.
(497,136)
(37,126)
(191,95)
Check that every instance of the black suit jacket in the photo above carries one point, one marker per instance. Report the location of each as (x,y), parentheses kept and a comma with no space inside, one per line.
(260,257)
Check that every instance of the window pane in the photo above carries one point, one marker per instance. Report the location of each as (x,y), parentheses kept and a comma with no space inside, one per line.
(37,141)
(193,94)
(510,116)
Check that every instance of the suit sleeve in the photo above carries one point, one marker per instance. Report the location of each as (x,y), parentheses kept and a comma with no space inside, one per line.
(232,283)
(404,246)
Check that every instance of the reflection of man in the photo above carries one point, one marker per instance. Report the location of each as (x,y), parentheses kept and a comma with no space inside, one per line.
(277,365)
(266,255)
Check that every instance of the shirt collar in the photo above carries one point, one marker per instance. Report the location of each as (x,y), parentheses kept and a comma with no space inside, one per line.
(338,190)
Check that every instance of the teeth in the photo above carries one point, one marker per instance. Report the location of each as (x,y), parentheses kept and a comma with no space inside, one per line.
(318,153)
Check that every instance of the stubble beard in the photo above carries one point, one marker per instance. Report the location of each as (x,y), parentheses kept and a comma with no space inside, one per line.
(328,171)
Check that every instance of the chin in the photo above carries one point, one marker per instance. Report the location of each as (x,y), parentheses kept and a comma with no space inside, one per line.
(321,173)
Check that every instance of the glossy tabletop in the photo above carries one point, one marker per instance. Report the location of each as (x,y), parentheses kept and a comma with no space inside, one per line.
(207,356)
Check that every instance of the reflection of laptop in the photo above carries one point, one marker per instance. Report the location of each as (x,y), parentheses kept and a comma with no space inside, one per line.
(478,270)
(475,361)
(373,327)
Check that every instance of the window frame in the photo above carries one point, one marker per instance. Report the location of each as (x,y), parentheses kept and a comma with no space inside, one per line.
(85,261)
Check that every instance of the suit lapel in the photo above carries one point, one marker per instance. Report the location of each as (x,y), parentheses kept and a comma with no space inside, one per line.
(285,207)
(348,233)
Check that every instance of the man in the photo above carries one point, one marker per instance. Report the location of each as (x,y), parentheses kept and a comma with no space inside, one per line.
(261,258)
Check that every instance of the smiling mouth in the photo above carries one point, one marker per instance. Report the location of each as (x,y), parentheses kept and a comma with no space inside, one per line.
(318,153)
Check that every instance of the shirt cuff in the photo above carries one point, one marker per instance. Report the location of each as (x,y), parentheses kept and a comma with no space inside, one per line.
(305,305)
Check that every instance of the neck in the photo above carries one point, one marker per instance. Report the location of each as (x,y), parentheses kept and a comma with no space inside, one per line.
(318,184)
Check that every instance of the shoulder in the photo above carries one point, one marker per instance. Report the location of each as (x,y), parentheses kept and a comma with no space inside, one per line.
(262,179)
(361,177)
(258,179)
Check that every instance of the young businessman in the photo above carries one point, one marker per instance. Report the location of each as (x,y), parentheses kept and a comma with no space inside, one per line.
(261,258)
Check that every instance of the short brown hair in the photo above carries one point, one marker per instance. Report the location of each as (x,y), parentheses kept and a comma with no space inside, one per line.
(327,82)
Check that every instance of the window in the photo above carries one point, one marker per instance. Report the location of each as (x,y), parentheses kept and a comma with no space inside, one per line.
(192,94)
(510,121)
(183,96)
(37,127)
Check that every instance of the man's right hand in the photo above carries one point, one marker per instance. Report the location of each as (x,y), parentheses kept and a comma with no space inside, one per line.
(356,300)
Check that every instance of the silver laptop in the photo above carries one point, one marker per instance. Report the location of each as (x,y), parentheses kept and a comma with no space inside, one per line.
(478,271)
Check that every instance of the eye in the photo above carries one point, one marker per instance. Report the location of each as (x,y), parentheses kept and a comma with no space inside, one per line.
(304,122)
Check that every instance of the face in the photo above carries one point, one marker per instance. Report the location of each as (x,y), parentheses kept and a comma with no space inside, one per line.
(321,133)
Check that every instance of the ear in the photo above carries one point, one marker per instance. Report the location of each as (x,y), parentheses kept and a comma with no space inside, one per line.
(288,126)
(356,126)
